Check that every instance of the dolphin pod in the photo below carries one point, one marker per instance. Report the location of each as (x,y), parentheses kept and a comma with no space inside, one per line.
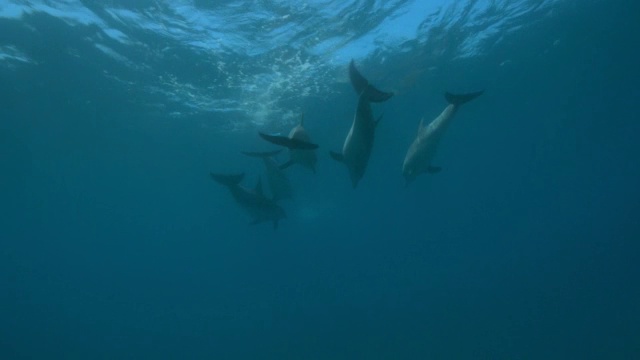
(355,153)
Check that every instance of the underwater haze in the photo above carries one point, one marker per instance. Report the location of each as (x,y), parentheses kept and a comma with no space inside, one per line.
(115,243)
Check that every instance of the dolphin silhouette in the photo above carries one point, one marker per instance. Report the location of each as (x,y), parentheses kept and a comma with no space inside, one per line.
(279,183)
(420,154)
(358,144)
(254,202)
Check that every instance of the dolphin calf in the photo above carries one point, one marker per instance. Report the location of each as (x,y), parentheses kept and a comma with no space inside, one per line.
(359,141)
(301,149)
(254,202)
(278,181)
(423,149)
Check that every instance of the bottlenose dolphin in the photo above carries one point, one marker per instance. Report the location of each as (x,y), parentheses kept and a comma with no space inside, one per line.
(423,149)
(254,202)
(359,141)
(279,183)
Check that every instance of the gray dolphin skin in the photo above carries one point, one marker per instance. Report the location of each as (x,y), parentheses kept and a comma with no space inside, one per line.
(358,144)
(419,157)
(254,202)
(279,183)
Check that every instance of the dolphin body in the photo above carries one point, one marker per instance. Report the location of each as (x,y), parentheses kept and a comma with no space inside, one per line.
(420,154)
(305,157)
(279,183)
(301,149)
(358,144)
(254,202)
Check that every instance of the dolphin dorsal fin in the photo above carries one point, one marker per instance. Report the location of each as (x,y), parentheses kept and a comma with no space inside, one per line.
(258,188)
(421,125)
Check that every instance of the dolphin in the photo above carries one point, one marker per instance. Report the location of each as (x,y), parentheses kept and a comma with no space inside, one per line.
(301,149)
(254,202)
(279,184)
(420,154)
(288,142)
(305,157)
(359,141)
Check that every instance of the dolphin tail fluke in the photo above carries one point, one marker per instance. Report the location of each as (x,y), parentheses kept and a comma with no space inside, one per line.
(336,156)
(377,96)
(361,84)
(262,154)
(288,142)
(228,180)
(358,81)
(459,99)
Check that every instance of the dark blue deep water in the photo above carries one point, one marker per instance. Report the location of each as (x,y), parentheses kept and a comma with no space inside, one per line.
(116,244)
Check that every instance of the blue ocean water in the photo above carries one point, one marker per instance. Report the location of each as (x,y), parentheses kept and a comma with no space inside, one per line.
(116,244)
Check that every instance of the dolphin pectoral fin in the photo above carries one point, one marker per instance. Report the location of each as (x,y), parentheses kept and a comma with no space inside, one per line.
(434,169)
(336,156)
(459,99)
(286,165)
